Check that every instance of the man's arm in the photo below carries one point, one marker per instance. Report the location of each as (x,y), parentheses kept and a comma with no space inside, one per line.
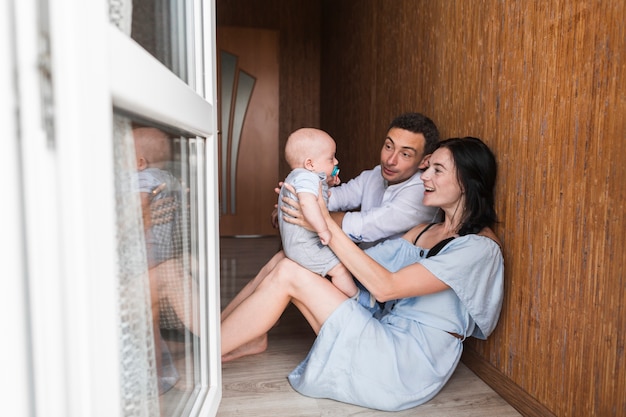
(385,213)
(348,196)
(390,215)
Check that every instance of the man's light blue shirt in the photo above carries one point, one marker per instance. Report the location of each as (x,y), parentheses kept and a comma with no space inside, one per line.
(386,211)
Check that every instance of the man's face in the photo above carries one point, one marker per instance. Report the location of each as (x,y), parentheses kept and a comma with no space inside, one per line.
(401,155)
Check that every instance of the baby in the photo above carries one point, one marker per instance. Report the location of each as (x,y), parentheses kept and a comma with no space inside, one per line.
(310,154)
(164,246)
(153,152)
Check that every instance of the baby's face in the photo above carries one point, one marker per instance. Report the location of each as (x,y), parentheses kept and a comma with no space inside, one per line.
(325,160)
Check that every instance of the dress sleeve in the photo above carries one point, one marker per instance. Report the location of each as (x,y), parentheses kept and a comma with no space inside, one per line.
(473,267)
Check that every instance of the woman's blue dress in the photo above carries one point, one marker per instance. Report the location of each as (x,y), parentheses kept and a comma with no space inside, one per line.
(402,357)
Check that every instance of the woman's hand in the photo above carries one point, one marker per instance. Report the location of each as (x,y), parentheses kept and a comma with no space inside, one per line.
(162,210)
(293,213)
(291,210)
(322,204)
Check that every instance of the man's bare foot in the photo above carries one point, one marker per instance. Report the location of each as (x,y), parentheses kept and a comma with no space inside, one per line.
(254,346)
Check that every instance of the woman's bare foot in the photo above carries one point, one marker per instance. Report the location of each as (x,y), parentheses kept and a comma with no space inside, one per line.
(254,346)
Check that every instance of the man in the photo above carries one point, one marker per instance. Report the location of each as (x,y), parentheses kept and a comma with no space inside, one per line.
(389,195)
(378,204)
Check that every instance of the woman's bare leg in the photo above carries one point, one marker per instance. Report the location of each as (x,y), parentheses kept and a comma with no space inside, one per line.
(315,296)
(258,344)
(156,328)
(169,278)
(251,286)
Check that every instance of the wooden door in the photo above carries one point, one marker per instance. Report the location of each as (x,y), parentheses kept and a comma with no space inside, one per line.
(248,124)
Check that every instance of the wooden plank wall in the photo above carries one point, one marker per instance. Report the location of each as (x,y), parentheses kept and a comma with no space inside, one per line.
(543,83)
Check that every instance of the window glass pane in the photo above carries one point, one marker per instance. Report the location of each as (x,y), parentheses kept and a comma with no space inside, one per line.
(160,27)
(159,240)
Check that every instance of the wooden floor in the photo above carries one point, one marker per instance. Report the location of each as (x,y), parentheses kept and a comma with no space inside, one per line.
(257,385)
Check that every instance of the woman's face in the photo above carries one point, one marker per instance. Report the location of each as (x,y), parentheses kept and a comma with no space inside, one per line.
(441,186)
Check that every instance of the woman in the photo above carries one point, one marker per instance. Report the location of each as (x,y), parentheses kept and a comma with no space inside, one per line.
(440,283)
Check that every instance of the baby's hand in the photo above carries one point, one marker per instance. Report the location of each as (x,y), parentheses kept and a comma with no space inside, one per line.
(324,237)
(333,181)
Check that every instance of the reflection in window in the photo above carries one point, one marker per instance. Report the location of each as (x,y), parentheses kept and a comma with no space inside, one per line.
(158,238)
(159,26)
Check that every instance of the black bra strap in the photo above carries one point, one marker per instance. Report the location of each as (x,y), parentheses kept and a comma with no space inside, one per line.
(422,232)
(435,249)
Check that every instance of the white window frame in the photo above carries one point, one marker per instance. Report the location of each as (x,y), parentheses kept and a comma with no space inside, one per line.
(16,355)
(62,272)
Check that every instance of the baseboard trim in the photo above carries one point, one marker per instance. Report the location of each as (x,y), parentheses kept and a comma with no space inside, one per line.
(519,399)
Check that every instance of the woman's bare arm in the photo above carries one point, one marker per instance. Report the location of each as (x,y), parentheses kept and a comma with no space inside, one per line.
(311,211)
(410,281)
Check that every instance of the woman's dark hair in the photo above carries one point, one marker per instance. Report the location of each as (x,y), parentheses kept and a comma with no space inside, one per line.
(476,171)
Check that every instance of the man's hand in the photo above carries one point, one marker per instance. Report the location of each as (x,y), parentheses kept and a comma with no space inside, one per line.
(158,211)
(333,181)
(280,185)
(274,217)
(162,211)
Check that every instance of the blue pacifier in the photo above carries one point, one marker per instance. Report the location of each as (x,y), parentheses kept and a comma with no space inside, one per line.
(335,171)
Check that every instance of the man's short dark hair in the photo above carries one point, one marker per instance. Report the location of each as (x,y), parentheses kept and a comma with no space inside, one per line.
(418,123)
